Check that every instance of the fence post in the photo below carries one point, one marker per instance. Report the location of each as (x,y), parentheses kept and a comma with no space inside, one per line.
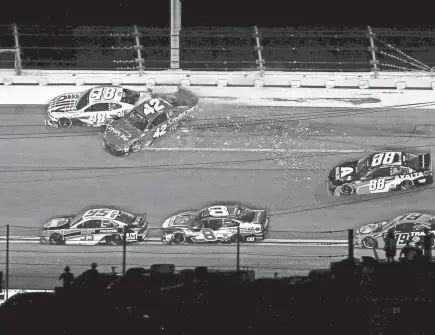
(124,251)
(7,263)
(138,47)
(175,33)
(260,61)
(350,244)
(238,250)
(372,49)
(18,63)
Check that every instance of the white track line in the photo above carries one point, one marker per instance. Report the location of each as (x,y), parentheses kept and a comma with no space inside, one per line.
(255,150)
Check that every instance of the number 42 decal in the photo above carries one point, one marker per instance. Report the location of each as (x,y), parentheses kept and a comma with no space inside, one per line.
(160,131)
(152,106)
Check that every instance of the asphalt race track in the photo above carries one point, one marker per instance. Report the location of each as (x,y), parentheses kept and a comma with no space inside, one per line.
(262,156)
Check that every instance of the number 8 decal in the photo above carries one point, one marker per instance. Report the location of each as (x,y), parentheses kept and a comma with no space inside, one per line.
(218,211)
(377,185)
(384,158)
(208,234)
(109,93)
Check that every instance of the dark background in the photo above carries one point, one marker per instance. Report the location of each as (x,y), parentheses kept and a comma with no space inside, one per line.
(270,13)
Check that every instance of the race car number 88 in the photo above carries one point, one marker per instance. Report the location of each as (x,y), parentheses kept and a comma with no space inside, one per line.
(208,234)
(383,158)
(218,211)
(377,185)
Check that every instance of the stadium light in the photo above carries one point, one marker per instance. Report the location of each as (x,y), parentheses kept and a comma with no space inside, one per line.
(175,33)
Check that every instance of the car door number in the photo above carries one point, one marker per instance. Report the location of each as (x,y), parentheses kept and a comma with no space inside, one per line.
(377,184)
(98,118)
(208,234)
(160,131)
(401,238)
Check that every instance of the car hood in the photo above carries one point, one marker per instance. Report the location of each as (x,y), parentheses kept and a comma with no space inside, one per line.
(372,228)
(342,173)
(57,223)
(179,220)
(64,103)
(120,132)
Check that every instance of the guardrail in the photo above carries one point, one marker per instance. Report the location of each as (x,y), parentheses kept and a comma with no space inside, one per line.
(216,49)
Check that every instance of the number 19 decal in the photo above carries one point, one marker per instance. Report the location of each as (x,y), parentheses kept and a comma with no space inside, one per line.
(377,184)
(160,131)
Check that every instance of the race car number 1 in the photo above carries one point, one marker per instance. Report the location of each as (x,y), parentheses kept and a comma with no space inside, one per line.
(377,185)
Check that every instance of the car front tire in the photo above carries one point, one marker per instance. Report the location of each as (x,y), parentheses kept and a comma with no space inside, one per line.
(57,239)
(135,146)
(369,243)
(407,185)
(64,122)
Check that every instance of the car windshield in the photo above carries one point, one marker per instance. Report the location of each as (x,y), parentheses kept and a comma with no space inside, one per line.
(362,167)
(83,99)
(130,97)
(126,217)
(78,217)
(137,120)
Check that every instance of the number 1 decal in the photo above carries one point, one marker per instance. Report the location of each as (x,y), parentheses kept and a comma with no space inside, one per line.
(160,131)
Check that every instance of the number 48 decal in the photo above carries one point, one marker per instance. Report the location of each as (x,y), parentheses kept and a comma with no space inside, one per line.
(377,184)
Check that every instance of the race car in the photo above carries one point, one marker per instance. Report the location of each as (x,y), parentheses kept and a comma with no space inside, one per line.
(381,172)
(406,227)
(94,107)
(149,120)
(217,223)
(95,226)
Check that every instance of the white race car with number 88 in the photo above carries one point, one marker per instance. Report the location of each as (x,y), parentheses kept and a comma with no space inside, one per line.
(94,107)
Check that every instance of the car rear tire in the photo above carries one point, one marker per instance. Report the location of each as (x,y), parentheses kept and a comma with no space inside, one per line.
(64,122)
(57,239)
(178,238)
(369,243)
(114,240)
(236,237)
(135,146)
(407,185)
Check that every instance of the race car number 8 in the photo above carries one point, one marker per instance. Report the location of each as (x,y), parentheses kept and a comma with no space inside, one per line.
(208,234)
(218,211)
(377,185)
(384,158)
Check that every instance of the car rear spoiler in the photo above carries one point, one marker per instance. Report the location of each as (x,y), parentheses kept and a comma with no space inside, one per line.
(425,161)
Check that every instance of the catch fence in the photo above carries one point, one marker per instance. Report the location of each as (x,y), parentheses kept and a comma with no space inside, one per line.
(27,264)
(260,49)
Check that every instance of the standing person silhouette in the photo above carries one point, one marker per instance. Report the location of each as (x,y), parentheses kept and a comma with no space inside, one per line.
(390,247)
(428,240)
(67,277)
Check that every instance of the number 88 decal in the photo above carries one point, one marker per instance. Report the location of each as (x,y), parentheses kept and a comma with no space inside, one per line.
(377,184)
(384,158)
(208,234)
(218,211)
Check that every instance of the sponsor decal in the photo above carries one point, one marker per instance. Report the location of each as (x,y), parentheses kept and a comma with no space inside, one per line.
(119,134)
(180,116)
(410,176)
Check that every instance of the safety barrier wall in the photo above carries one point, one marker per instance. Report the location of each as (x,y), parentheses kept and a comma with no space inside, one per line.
(260,49)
